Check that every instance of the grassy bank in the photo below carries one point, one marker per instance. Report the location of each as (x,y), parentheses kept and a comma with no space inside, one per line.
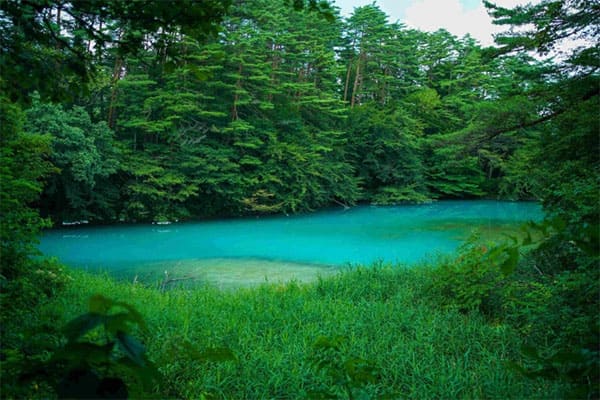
(378,321)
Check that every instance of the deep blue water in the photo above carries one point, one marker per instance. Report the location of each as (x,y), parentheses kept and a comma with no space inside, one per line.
(335,237)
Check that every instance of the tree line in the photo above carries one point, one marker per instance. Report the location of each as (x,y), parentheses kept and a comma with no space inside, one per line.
(276,111)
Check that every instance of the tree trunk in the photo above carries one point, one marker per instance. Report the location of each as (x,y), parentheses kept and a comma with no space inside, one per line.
(236,96)
(274,66)
(357,79)
(383,92)
(113,95)
(347,79)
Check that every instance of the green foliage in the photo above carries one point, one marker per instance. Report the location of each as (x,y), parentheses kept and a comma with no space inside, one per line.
(28,336)
(570,166)
(518,181)
(25,283)
(385,148)
(346,375)
(61,43)
(557,307)
(281,112)
(449,171)
(248,123)
(396,343)
(154,192)
(398,195)
(563,332)
(550,297)
(473,280)
(100,350)
(548,24)
(85,154)
(23,166)
(579,367)
(100,357)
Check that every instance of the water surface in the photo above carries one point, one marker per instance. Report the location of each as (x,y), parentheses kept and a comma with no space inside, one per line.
(243,251)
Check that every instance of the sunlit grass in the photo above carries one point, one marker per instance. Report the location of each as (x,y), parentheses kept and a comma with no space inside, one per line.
(384,314)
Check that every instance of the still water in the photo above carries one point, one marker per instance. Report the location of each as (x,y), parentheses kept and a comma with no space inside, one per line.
(244,251)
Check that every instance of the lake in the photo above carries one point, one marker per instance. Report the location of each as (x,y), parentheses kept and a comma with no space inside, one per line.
(247,251)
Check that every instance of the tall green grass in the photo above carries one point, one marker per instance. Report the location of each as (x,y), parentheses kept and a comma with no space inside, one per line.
(382,315)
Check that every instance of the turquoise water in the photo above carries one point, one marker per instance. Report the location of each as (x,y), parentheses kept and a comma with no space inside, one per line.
(308,244)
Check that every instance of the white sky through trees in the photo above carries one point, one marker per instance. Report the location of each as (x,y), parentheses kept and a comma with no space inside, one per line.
(459,17)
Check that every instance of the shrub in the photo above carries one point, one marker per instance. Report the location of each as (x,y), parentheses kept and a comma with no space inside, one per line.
(473,280)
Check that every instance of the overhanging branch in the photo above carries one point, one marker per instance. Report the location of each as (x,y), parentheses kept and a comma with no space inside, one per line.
(491,134)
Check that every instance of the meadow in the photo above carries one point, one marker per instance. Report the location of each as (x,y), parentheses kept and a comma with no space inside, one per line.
(365,333)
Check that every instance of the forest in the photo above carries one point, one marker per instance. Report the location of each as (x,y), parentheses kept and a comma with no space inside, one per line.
(122,111)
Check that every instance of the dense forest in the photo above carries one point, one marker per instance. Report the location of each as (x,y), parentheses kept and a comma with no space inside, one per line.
(142,111)
(284,112)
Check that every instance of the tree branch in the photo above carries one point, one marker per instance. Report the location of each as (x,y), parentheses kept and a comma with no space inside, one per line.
(499,131)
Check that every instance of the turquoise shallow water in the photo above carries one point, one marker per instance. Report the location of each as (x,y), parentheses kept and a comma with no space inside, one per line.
(307,244)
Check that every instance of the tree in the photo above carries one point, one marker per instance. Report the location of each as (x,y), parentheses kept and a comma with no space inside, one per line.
(60,42)
(86,156)
(22,168)
(564,162)
(248,121)
(371,56)
(569,95)
(555,26)
(385,144)
(453,86)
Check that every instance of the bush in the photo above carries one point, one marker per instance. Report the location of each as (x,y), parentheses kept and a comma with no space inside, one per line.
(474,279)
(551,299)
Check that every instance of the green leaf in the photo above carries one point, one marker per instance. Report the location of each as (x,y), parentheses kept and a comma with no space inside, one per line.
(99,304)
(132,348)
(116,323)
(85,353)
(147,374)
(133,314)
(82,324)
(510,264)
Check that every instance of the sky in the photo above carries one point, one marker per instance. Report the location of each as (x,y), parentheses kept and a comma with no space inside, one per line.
(458,17)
